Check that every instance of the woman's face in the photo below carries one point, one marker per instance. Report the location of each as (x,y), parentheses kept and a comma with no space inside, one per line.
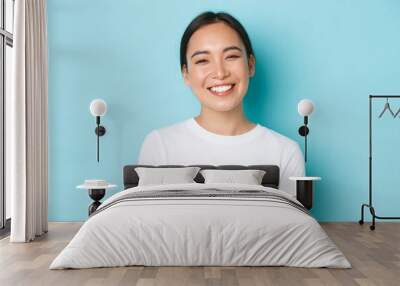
(217,67)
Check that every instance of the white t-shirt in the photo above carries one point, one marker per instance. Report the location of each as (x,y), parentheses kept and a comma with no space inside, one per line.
(188,143)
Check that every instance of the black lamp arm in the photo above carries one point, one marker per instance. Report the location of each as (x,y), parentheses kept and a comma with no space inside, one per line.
(303,131)
(100,131)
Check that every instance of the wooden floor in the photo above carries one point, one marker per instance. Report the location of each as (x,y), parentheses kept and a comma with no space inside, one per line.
(374,255)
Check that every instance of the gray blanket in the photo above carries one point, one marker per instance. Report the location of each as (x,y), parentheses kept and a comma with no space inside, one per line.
(206,193)
(197,225)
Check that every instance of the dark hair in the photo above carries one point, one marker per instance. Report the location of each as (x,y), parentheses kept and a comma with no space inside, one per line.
(207,18)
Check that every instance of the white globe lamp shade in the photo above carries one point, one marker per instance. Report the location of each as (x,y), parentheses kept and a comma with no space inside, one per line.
(98,107)
(305,107)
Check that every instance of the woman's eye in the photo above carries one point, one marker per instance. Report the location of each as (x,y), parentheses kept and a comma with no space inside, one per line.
(201,62)
(233,57)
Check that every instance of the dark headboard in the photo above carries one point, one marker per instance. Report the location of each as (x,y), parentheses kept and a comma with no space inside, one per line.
(270,179)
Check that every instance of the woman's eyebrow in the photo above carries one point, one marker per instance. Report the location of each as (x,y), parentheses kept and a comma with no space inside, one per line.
(232,48)
(225,50)
(199,53)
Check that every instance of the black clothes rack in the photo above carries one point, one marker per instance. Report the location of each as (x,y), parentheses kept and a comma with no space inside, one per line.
(370,205)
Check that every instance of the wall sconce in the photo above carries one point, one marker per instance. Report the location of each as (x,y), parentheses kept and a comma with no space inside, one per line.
(305,108)
(98,108)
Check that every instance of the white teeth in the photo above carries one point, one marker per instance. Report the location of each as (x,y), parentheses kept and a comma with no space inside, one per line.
(221,88)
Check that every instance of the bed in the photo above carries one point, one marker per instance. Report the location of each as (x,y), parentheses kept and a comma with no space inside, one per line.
(201,224)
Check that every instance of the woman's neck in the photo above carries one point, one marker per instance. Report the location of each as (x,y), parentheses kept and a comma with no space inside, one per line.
(228,123)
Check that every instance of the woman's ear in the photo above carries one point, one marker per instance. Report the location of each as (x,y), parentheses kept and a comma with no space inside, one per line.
(185,75)
(252,65)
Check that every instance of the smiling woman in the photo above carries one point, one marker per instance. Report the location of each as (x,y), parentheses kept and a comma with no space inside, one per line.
(217,62)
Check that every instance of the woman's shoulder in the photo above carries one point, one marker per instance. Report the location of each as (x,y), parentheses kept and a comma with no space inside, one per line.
(175,127)
(279,138)
(168,130)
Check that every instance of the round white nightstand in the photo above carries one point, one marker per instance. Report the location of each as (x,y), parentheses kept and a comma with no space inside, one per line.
(304,190)
(305,178)
(96,193)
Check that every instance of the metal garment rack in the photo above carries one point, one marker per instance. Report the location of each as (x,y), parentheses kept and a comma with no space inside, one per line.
(370,205)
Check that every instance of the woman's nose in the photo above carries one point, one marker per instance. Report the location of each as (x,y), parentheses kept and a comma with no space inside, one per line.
(220,71)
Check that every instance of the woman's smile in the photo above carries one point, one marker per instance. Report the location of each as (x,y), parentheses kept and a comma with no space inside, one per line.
(221,90)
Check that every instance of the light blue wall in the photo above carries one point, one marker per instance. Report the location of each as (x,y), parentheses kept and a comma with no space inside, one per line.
(335,53)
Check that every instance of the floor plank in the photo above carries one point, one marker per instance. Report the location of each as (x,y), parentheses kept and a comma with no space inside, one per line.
(374,255)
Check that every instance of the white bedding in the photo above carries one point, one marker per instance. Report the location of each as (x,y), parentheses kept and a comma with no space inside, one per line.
(200,231)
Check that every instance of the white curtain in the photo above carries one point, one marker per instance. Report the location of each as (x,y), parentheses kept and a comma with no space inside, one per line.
(26,120)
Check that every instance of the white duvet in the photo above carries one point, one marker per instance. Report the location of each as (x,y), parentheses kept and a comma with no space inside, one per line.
(200,231)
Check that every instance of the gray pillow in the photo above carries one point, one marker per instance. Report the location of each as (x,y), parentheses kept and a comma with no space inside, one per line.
(249,177)
(162,176)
